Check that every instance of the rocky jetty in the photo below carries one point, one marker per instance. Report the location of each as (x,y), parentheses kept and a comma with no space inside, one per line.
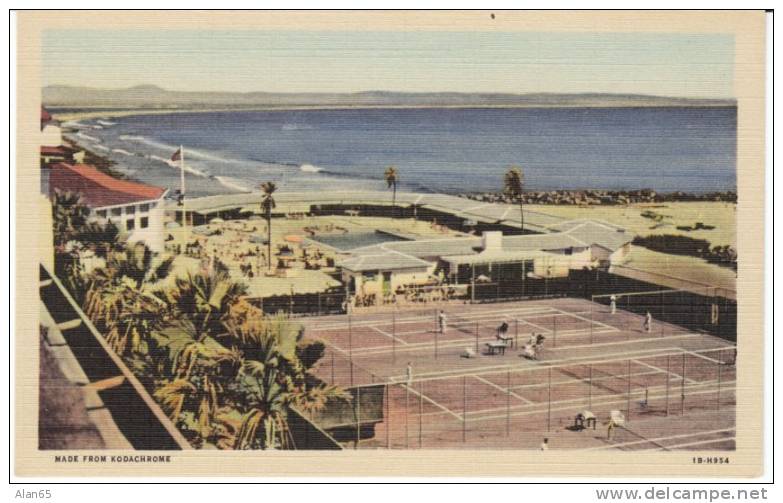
(601,197)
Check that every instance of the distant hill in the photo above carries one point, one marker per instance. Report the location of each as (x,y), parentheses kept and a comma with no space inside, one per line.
(148,96)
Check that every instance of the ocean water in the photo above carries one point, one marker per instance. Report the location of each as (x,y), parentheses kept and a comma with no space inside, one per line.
(437,150)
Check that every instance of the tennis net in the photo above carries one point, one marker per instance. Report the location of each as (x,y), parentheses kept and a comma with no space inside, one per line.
(591,374)
(468,326)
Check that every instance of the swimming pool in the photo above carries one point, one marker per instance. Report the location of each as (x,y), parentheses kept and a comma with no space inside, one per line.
(353,240)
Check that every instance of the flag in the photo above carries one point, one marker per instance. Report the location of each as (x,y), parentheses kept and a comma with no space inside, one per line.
(177,155)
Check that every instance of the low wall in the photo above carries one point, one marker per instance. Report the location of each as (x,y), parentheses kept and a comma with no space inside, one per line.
(308,436)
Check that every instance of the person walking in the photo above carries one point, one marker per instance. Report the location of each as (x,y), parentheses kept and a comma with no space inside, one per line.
(441,321)
(613,304)
(545,444)
(647,322)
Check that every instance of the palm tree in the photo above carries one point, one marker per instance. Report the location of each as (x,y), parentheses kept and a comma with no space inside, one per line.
(238,398)
(101,238)
(205,298)
(69,215)
(513,187)
(74,234)
(119,299)
(274,377)
(126,317)
(267,204)
(391,177)
(140,265)
(197,371)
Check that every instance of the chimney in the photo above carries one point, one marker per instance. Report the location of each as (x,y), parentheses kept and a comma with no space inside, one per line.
(492,240)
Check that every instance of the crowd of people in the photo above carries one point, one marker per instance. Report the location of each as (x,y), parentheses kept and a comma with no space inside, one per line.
(237,244)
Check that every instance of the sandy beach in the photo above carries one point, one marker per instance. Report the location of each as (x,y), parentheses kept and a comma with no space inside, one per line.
(721,215)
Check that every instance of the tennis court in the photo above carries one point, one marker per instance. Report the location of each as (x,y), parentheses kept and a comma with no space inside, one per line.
(591,360)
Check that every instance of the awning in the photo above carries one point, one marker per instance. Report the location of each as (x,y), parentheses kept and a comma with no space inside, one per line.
(496,257)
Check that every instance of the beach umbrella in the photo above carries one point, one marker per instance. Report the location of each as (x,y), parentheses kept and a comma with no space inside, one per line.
(172,225)
(293,238)
(285,253)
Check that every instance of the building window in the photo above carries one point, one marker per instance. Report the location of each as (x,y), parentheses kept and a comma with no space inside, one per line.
(116,212)
(130,224)
(144,207)
(144,223)
(130,210)
(101,213)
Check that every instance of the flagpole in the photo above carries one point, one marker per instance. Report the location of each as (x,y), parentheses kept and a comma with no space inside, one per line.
(182,171)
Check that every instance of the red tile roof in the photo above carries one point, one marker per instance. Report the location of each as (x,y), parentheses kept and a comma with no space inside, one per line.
(58,150)
(99,189)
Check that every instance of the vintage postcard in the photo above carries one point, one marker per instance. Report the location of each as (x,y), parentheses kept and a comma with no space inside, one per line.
(411,243)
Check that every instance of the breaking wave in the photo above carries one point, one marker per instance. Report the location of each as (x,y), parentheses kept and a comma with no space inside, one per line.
(295,127)
(73,123)
(232,183)
(175,165)
(87,137)
(309,168)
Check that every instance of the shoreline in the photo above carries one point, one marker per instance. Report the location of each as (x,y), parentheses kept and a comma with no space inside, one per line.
(592,197)
(554,197)
(86,113)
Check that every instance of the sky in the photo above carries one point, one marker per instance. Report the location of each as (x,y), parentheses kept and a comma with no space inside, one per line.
(664,64)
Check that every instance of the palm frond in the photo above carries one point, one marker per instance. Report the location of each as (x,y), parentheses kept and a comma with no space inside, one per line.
(172,396)
(315,398)
(513,182)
